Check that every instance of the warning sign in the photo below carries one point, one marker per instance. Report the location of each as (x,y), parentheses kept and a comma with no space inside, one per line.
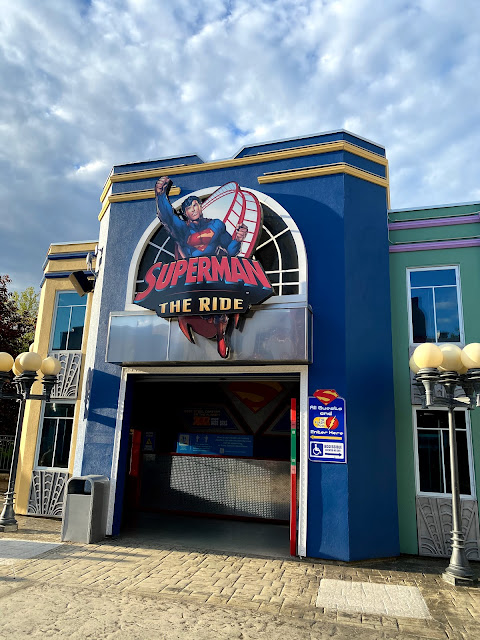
(148,441)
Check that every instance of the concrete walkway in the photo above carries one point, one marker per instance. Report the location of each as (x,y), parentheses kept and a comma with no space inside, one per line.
(397,598)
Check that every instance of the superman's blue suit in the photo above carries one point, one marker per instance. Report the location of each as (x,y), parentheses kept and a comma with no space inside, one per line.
(195,238)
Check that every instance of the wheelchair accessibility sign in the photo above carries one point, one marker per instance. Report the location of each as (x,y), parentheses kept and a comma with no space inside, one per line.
(327,427)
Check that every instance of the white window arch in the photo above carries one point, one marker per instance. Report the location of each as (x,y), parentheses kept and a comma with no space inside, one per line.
(280,250)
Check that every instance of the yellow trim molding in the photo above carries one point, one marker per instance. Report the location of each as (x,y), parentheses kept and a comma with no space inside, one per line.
(266,156)
(71,247)
(147,194)
(323,170)
(387,175)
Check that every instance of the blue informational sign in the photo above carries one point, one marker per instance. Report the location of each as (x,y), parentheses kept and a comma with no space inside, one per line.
(215,444)
(327,427)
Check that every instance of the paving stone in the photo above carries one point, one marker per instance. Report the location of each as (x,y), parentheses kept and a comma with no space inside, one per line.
(422,632)
(364,597)
(346,616)
(289,586)
(21,549)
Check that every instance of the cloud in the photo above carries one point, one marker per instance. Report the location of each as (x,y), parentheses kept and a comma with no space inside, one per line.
(86,85)
(88,171)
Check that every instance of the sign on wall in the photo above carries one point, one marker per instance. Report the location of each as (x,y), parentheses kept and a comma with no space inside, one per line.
(209,418)
(327,427)
(148,441)
(215,444)
(212,277)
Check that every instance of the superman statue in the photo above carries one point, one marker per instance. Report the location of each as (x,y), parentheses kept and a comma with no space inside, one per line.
(197,236)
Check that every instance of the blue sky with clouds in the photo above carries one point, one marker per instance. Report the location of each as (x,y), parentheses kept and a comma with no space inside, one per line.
(89,84)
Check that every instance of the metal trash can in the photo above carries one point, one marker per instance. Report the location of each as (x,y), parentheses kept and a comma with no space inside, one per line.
(85,509)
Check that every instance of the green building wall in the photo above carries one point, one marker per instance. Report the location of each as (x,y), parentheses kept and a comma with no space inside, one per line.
(468,261)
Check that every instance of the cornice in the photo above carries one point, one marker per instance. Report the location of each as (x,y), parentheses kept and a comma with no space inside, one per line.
(146,194)
(444,221)
(266,156)
(267,178)
(455,243)
(322,170)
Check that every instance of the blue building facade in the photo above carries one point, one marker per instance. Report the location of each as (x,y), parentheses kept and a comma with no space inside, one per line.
(324,248)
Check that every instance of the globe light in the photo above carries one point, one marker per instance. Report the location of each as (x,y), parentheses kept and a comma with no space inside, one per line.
(17,367)
(6,361)
(413,366)
(471,356)
(30,361)
(30,348)
(51,366)
(452,358)
(427,355)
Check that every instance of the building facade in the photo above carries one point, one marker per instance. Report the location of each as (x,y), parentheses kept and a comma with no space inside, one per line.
(435,279)
(49,432)
(176,426)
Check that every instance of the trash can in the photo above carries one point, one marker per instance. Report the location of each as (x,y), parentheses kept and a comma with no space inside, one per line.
(85,509)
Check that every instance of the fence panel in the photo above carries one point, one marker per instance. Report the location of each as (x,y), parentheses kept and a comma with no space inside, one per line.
(6,452)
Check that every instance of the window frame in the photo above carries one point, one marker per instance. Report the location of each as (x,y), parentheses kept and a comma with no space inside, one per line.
(471,468)
(456,267)
(38,467)
(54,321)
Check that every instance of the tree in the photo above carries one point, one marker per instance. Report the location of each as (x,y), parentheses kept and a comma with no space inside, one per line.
(18,313)
(26,303)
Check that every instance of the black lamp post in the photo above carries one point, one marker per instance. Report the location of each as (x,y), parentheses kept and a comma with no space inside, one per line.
(25,368)
(451,367)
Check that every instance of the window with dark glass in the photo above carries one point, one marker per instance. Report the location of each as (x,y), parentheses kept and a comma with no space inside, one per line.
(56,435)
(69,322)
(434,452)
(434,305)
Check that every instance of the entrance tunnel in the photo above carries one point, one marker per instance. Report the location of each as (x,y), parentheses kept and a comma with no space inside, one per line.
(208,462)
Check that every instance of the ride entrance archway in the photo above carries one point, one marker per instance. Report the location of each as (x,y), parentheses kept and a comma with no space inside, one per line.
(208,460)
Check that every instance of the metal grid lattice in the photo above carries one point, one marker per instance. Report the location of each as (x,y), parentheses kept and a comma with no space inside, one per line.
(223,486)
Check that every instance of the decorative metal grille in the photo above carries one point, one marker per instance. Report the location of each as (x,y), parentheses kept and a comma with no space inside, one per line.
(69,376)
(276,252)
(6,452)
(434,524)
(47,493)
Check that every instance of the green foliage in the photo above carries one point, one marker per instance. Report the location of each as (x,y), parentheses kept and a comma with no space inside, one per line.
(11,327)
(26,303)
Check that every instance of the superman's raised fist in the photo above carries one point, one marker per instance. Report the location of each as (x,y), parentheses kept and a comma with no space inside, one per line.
(163,185)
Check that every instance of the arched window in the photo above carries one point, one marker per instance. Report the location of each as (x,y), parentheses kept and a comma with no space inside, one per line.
(280,250)
(278,254)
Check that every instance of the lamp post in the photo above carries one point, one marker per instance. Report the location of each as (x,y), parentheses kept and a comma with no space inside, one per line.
(451,367)
(25,368)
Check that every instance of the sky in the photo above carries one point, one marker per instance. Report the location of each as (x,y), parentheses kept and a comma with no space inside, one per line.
(86,85)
